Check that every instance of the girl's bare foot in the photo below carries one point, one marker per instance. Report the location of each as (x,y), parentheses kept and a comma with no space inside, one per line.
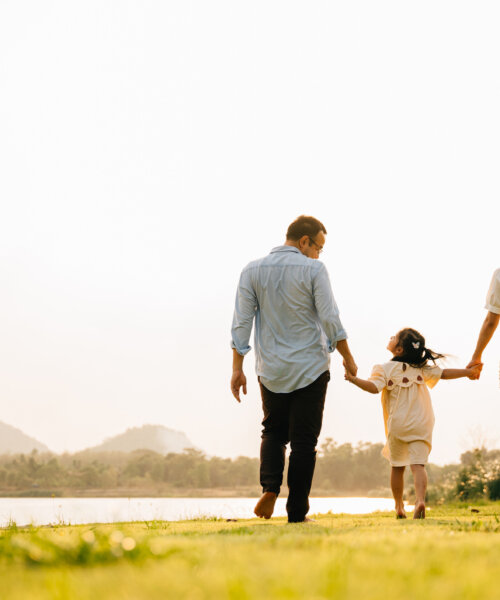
(419,512)
(400,511)
(265,505)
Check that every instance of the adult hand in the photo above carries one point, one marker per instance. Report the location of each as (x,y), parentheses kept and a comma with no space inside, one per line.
(350,366)
(238,380)
(475,370)
(348,376)
(473,363)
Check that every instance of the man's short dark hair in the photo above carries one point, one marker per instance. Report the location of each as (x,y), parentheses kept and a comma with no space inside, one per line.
(304,226)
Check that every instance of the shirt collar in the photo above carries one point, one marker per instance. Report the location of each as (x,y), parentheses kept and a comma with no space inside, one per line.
(286,249)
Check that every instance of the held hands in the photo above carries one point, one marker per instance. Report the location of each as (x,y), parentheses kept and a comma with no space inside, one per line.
(349,376)
(475,367)
(238,380)
(350,367)
(351,370)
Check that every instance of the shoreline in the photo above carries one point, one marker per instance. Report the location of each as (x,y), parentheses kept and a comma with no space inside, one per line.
(182,493)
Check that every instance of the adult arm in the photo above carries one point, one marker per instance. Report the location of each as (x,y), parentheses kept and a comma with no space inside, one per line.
(491,321)
(329,318)
(487,330)
(244,313)
(349,364)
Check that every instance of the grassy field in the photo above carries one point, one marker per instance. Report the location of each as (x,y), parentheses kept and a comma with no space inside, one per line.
(454,554)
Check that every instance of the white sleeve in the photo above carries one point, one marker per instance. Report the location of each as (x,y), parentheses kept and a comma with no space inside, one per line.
(493,297)
(326,308)
(432,375)
(378,377)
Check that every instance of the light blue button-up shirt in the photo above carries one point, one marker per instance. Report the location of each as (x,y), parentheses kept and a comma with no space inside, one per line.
(297,321)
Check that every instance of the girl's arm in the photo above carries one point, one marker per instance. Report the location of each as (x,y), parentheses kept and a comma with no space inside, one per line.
(363,384)
(471,373)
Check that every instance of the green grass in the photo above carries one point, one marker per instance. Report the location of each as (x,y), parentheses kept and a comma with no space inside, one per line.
(454,554)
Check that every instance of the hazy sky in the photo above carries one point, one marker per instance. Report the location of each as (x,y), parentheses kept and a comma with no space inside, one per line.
(150,149)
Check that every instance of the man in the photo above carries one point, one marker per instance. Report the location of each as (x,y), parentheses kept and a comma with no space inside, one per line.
(490,322)
(297,325)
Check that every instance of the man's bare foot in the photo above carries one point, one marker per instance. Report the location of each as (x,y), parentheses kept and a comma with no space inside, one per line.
(419,512)
(265,506)
(400,512)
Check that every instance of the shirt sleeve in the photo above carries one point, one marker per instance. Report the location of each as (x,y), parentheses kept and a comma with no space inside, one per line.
(432,375)
(378,377)
(326,308)
(493,297)
(244,313)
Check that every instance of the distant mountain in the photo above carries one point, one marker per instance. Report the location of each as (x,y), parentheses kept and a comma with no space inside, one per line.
(148,437)
(14,441)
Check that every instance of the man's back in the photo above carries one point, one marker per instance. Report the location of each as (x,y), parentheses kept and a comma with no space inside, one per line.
(296,318)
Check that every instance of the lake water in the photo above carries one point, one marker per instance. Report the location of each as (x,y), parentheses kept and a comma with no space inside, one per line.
(45,511)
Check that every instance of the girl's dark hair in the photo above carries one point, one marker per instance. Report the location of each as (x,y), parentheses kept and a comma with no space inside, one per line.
(414,351)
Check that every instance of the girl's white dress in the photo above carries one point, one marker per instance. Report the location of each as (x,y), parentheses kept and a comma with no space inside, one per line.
(408,414)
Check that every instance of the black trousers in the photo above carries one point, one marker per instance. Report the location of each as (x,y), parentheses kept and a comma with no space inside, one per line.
(295,417)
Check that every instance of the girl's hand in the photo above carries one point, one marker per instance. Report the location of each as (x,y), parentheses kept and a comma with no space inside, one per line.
(349,376)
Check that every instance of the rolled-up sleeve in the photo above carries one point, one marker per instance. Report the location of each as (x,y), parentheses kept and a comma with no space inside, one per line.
(326,307)
(244,313)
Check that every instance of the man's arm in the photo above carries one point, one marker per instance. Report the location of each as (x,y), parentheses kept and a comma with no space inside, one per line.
(349,363)
(487,330)
(244,313)
(328,314)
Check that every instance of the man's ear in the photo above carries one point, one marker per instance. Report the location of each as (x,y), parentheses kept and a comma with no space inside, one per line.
(303,240)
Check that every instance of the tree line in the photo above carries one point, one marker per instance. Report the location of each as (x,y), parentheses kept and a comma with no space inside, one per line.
(342,469)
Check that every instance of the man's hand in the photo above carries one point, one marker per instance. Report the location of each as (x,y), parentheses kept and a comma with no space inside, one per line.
(238,380)
(350,366)
(348,376)
(475,362)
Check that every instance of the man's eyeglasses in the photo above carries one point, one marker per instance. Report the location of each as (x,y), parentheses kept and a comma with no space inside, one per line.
(320,248)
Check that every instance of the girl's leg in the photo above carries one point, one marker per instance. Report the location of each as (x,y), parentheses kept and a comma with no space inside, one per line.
(420,479)
(397,486)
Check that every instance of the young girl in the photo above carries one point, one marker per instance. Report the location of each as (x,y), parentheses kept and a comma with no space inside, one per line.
(408,414)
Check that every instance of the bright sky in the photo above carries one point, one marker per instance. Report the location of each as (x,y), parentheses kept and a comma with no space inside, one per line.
(149,150)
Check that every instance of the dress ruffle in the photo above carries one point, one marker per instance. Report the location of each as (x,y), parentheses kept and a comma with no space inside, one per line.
(404,380)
